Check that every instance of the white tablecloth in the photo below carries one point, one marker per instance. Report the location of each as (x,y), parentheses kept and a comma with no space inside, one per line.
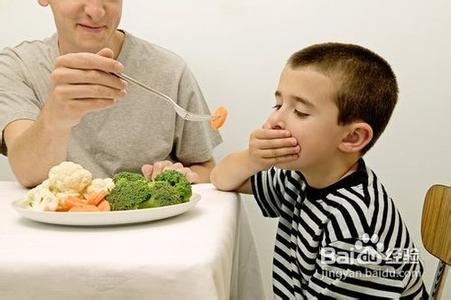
(206,253)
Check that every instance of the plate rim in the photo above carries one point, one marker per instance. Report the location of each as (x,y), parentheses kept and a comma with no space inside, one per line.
(70,218)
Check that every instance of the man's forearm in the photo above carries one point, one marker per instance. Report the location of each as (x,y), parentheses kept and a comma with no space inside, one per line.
(203,170)
(233,173)
(33,150)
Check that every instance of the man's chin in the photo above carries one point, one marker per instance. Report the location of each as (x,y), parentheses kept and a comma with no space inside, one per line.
(91,47)
(93,44)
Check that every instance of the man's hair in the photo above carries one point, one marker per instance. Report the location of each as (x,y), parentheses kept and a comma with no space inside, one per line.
(368,90)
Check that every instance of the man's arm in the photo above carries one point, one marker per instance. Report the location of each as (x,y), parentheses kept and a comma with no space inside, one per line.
(33,148)
(203,170)
(80,83)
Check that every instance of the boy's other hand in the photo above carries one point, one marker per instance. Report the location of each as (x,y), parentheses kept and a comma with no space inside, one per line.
(81,83)
(268,147)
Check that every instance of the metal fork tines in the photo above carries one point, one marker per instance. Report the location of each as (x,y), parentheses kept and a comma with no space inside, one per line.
(183,113)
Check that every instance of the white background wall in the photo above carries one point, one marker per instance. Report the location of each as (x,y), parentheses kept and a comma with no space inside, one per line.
(236,48)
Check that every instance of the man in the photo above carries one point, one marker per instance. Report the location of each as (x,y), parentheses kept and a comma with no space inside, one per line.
(60,101)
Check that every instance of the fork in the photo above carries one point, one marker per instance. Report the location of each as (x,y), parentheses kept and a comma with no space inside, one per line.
(183,113)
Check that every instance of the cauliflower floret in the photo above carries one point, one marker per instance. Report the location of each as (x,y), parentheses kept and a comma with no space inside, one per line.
(41,198)
(99,184)
(44,184)
(69,177)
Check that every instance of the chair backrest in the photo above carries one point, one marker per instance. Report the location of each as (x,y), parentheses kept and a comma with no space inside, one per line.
(436,231)
(436,222)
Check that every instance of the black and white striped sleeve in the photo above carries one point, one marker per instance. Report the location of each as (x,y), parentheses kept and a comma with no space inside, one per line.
(267,187)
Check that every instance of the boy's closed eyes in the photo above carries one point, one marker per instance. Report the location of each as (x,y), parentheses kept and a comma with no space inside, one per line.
(297,111)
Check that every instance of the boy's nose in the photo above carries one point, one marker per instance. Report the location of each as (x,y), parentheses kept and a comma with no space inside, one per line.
(276,121)
(95,9)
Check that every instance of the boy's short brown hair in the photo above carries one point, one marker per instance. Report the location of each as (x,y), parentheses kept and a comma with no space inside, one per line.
(368,89)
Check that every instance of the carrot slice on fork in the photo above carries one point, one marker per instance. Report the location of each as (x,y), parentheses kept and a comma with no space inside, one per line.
(219,118)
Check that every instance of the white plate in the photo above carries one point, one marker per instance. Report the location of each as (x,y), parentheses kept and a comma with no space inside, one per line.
(106,218)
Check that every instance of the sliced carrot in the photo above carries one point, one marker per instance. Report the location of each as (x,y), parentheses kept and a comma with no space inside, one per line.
(95,198)
(104,206)
(220,117)
(84,208)
(72,201)
(62,207)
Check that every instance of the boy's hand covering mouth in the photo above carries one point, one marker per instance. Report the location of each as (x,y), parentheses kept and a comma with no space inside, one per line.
(268,147)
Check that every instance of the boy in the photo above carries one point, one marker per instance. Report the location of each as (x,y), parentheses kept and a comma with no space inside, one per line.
(339,234)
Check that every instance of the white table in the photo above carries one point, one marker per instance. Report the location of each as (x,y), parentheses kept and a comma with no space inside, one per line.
(206,253)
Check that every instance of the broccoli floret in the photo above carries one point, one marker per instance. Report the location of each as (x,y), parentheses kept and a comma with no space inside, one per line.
(129,194)
(171,176)
(132,190)
(127,176)
(162,193)
(176,179)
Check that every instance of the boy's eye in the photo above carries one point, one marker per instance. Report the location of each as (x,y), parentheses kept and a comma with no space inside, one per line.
(300,114)
(277,106)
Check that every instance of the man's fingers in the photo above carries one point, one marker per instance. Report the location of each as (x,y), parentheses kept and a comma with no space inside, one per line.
(192,177)
(147,171)
(106,52)
(75,76)
(151,171)
(89,61)
(88,105)
(159,166)
(70,91)
(176,166)
(179,168)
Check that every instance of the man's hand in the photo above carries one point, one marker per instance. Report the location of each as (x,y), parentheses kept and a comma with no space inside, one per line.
(151,171)
(268,147)
(81,83)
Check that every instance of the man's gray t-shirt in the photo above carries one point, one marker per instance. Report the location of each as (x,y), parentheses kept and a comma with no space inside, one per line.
(141,129)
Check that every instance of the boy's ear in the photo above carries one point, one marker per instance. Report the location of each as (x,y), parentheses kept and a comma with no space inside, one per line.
(356,138)
(43,2)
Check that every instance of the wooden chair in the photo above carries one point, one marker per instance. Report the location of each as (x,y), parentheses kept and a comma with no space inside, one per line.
(436,232)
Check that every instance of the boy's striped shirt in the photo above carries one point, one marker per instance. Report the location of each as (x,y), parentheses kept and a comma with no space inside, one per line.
(345,241)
